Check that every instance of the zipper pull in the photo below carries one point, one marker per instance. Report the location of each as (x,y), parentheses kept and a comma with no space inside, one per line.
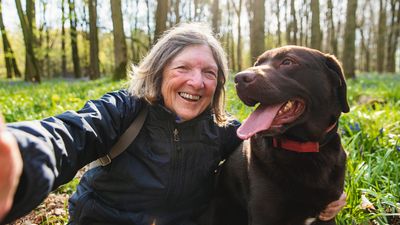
(176,135)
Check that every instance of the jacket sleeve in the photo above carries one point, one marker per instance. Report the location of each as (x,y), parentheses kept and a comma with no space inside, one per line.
(55,148)
(229,139)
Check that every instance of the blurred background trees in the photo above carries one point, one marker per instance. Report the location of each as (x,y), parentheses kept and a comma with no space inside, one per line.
(42,39)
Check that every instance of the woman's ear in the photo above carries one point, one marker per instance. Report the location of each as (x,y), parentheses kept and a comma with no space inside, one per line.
(336,69)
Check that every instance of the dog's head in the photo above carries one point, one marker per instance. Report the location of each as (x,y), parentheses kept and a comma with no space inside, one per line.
(297,89)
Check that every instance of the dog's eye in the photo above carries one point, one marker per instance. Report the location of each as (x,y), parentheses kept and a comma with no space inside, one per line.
(287,62)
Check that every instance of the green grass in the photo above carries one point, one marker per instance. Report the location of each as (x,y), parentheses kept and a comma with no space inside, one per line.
(27,101)
(370,133)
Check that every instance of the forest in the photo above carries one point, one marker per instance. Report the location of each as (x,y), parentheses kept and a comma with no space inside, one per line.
(57,54)
(44,39)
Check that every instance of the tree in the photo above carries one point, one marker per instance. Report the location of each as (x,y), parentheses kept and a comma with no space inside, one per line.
(94,70)
(381,40)
(120,54)
(238,11)
(304,26)
(230,45)
(161,18)
(394,31)
(349,39)
(316,34)
(32,69)
(292,25)
(365,33)
(63,55)
(177,12)
(216,16)
(73,21)
(278,31)
(148,23)
(11,64)
(332,40)
(257,28)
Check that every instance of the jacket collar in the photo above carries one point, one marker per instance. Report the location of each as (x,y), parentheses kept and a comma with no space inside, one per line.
(164,113)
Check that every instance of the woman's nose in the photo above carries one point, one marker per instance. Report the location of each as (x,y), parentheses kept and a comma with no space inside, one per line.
(196,80)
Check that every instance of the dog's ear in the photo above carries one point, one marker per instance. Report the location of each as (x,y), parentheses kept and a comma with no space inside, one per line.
(335,68)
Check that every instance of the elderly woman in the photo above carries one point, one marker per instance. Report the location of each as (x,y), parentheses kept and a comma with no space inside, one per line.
(165,176)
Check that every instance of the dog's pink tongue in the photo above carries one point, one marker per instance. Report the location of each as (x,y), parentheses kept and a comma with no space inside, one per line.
(260,119)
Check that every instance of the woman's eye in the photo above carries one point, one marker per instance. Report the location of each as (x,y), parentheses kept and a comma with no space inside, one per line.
(181,68)
(287,62)
(211,74)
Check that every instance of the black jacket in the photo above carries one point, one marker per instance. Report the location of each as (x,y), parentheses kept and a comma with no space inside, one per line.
(165,175)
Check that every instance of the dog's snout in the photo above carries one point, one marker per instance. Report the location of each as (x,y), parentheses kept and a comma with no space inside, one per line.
(245,77)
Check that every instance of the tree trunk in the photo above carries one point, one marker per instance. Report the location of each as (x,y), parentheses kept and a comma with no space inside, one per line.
(316,34)
(161,18)
(32,70)
(177,12)
(216,16)
(393,37)
(293,24)
(120,57)
(278,31)
(306,29)
(134,47)
(287,18)
(381,40)
(257,28)
(63,37)
(11,64)
(148,23)
(94,41)
(73,21)
(238,11)
(229,39)
(349,39)
(302,16)
(196,10)
(332,40)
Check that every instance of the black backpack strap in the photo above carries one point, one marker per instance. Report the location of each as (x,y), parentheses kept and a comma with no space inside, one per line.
(125,140)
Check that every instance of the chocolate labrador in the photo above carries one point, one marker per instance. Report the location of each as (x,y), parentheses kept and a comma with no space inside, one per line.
(291,164)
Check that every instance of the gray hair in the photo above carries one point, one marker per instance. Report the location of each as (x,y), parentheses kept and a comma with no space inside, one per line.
(146,78)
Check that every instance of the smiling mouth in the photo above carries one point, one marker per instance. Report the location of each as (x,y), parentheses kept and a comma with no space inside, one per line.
(189,97)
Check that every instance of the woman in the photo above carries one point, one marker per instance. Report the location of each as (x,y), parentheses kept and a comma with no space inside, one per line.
(165,176)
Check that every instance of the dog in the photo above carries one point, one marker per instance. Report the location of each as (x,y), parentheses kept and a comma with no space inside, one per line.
(291,164)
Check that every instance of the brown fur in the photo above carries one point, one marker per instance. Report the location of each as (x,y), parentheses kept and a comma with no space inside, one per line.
(263,185)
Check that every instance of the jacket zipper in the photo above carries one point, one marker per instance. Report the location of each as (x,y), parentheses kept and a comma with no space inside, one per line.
(176,186)
(176,135)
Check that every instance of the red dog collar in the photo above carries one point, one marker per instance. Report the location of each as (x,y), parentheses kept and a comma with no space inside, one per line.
(296,146)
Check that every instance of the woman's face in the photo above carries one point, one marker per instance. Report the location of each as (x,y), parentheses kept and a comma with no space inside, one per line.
(189,81)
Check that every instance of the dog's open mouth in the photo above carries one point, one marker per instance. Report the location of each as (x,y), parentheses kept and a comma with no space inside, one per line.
(266,117)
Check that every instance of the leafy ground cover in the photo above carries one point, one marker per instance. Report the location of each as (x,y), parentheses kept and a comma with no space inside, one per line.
(370,135)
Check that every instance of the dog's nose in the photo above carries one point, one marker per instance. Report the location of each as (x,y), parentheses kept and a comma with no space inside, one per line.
(245,77)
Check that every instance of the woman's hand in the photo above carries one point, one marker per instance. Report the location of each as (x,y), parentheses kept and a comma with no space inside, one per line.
(333,208)
(10,171)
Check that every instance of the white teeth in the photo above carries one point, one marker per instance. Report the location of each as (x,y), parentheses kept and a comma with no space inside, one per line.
(287,107)
(189,96)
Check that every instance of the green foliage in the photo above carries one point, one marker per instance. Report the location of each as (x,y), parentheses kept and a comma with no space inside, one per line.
(27,101)
(371,137)
(370,133)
